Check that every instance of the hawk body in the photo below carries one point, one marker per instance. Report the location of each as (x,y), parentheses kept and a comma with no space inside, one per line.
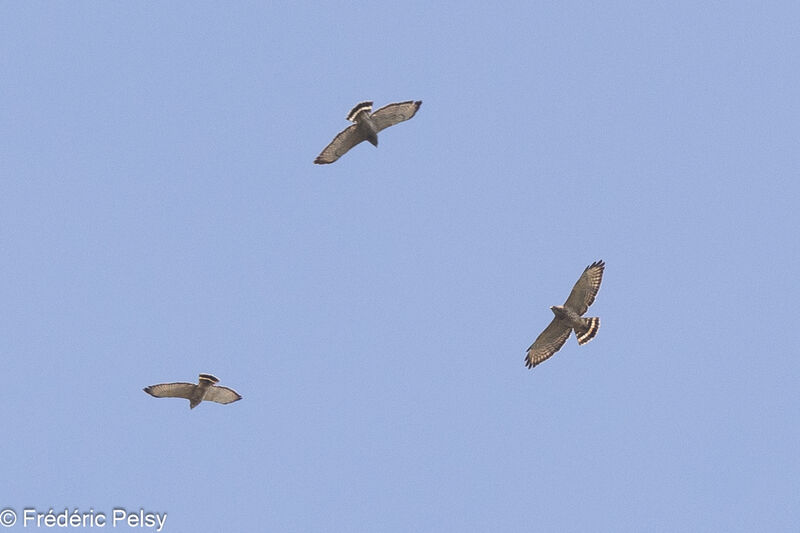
(569,317)
(366,126)
(206,389)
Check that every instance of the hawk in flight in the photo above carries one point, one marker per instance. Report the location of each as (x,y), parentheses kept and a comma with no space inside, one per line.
(366,126)
(204,390)
(569,317)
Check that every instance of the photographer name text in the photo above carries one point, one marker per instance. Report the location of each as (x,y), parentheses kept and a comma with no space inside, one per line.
(119,517)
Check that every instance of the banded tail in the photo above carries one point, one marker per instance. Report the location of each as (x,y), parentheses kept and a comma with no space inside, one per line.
(588,330)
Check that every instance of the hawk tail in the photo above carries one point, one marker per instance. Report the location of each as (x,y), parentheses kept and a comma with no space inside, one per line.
(588,330)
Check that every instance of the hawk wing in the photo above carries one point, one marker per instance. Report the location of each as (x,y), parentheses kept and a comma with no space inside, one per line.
(340,145)
(220,394)
(585,289)
(171,390)
(548,342)
(391,114)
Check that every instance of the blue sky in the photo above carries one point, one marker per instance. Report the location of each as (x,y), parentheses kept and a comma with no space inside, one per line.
(160,216)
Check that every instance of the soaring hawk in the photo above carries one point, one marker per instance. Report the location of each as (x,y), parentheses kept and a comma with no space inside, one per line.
(366,127)
(569,317)
(204,390)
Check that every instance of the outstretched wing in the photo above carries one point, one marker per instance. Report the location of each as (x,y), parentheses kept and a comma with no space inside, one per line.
(340,145)
(220,394)
(171,390)
(391,114)
(585,290)
(548,342)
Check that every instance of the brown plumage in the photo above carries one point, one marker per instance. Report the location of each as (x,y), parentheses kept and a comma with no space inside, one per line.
(206,389)
(366,126)
(568,317)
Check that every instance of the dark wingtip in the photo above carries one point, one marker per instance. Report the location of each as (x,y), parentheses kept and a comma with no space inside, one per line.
(601,264)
